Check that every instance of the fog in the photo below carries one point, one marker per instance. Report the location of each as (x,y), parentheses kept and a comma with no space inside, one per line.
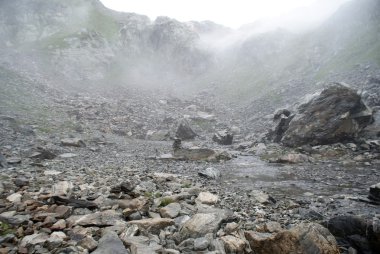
(189,126)
(85,44)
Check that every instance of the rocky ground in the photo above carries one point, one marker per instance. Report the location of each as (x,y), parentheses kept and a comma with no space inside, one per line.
(100,175)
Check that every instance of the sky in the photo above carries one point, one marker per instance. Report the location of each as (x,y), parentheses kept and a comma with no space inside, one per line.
(229,13)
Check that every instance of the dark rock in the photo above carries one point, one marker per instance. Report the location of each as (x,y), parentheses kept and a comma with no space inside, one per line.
(21,182)
(281,118)
(374,192)
(43,154)
(343,226)
(281,112)
(76,203)
(336,115)
(126,187)
(360,233)
(184,131)
(177,144)
(223,137)
(14,219)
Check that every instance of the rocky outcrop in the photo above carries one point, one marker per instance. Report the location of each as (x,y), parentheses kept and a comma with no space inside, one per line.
(336,114)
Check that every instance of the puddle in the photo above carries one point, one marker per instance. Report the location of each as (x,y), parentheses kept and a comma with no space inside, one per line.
(249,172)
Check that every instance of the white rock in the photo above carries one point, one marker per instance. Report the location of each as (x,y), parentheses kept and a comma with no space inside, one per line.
(62,188)
(207,198)
(15,197)
(52,172)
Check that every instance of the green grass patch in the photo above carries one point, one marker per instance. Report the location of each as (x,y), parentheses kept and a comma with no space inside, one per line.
(5,229)
(166,201)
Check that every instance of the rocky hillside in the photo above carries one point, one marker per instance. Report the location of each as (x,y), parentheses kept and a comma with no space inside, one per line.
(82,41)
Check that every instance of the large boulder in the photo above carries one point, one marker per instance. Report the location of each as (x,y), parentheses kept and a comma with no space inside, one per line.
(303,238)
(336,114)
(363,234)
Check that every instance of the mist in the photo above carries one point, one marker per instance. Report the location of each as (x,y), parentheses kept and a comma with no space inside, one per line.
(189,126)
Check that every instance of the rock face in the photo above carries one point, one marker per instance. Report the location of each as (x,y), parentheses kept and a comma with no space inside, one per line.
(304,238)
(337,114)
(223,137)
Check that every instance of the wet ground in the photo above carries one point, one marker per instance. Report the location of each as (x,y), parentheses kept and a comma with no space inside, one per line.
(325,179)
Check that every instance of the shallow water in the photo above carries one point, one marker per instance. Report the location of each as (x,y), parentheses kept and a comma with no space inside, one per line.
(249,172)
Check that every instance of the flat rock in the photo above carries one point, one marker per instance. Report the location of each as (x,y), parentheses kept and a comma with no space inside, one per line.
(153,225)
(73,142)
(14,160)
(200,224)
(110,243)
(32,240)
(101,219)
(170,211)
(52,172)
(12,218)
(68,155)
